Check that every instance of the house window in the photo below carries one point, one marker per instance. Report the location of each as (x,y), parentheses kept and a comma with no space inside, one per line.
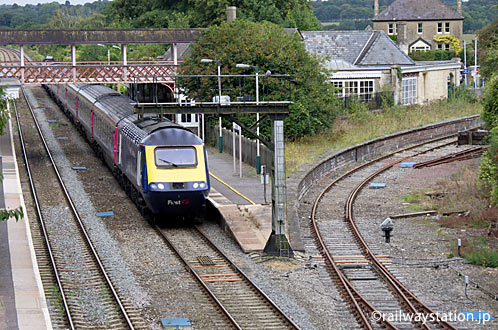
(391,29)
(419,28)
(446,46)
(439,46)
(409,91)
(439,27)
(420,48)
(339,91)
(364,89)
(447,27)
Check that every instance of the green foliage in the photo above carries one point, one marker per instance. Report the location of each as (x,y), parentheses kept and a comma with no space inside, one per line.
(269,47)
(485,257)
(461,93)
(490,113)
(488,48)
(37,16)
(433,55)
(7,214)
(203,13)
(394,37)
(489,166)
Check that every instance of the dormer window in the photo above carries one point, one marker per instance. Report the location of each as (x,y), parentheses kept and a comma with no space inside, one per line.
(439,27)
(419,28)
(447,27)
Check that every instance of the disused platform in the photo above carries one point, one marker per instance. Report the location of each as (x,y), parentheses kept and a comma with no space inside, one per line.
(21,291)
(240,201)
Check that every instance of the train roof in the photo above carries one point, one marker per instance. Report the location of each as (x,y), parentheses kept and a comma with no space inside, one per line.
(148,130)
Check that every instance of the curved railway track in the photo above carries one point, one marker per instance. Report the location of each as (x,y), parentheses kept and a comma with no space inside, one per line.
(377,291)
(235,295)
(9,55)
(78,275)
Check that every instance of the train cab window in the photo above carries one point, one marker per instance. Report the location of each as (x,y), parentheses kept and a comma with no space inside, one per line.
(171,157)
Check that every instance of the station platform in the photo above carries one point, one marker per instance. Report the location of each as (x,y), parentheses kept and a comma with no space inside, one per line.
(22,300)
(240,201)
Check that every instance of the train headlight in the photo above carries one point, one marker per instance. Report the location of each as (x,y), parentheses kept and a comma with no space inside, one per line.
(160,186)
(153,186)
(202,185)
(195,185)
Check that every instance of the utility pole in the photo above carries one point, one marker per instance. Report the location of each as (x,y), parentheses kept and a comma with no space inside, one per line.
(475,77)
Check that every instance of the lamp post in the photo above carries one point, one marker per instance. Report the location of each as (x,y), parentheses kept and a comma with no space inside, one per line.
(220,139)
(258,155)
(109,51)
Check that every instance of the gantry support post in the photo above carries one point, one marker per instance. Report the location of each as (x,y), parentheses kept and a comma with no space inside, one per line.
(278,243)
(21,55)
(73,61)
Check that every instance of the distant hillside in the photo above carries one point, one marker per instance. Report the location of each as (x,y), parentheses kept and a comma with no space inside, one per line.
(355,14)
(37,16)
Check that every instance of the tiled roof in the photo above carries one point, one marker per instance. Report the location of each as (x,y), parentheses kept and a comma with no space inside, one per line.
(406,10)
(361,48)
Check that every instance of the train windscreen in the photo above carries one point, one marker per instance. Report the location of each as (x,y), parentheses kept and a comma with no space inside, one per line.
(171,157)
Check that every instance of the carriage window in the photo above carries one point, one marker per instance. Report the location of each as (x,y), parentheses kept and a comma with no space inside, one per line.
(171,157)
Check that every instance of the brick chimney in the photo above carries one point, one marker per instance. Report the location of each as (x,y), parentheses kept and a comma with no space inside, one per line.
(459,7)
(376,7)
(231,13)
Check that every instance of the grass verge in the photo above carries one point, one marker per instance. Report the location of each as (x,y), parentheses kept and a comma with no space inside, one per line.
(350,130)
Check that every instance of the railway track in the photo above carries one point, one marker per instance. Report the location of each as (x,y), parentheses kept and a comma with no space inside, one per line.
(234,294)
(79,291)
(366,281)
(9,56)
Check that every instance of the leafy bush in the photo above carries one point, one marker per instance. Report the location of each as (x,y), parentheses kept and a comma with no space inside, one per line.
(490,113)
(433,55)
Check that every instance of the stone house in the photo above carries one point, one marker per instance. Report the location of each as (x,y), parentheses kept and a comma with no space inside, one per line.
(416,22)
(364,62)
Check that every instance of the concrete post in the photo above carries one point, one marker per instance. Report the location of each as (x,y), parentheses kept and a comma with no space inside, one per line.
(21,47)
(376,8)
(124,59)
(278,243)
(73,61)
(397,85)
(175,54)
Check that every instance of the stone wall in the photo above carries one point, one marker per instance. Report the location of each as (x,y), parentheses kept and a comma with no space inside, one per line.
(301,181)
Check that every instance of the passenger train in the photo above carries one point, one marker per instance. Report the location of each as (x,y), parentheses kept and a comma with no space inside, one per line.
(161,165)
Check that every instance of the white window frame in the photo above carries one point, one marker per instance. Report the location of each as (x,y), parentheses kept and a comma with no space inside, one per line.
(419,28)
(363,88)
(409,91)
(390,28)
(447,27)
(440,27)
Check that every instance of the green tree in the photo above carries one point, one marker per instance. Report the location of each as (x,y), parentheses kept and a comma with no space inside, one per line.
(268,47)
(488,48)
(490,112)
(489,162)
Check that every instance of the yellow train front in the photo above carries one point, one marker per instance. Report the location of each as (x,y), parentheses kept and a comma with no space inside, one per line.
(175,177)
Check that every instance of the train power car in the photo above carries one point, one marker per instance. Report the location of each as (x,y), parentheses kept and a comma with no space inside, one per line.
(161,165)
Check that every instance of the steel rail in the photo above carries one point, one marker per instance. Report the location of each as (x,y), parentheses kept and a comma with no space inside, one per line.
(198,278)
(413,303)
(78,218)
(451,157)
(42,221)
(245,277)
(324,250)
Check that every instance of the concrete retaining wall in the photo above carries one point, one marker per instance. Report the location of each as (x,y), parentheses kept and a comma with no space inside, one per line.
(301,181)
